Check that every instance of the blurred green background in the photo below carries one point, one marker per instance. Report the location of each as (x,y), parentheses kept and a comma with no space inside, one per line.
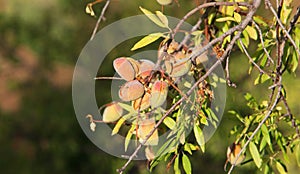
(39,44)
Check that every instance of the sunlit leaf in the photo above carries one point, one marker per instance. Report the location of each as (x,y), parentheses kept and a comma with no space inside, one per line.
(163,18)
(252,32)
(147,40)
(255,154)
(224,19)
(199,137)
(89,10)
(118,126)
(169,122)
(237,17)
(128,136)
(176,165)
(186,164)
(153,17)
(281,169)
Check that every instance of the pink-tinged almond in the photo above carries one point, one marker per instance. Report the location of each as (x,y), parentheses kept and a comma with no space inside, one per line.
(131,90)
(124,68)
(135,64)
(145,127)
(144,104)
(112,112)
(159,93)
(146,67)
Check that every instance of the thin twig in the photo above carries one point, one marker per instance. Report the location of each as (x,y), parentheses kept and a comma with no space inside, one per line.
(294,20)
(108,78)
(251,60)
(292,118)
(263,42)
(282,27)
(99,19)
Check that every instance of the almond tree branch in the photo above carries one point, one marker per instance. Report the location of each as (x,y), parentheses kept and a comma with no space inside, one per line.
(239,28)
(270,110)
(263,42)
(99,19)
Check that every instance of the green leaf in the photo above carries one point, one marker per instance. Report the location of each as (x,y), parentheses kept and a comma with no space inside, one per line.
(176,165)
(187,148)
(153,18)
(261,79)
(252,32)
(266,134)
(147,40)
(281,169)
(255,154)
(297,153)
(186,164)
(199,137)
(169,122)
(127,107)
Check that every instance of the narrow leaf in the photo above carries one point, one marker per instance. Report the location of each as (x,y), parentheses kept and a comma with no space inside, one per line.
(163,18)
(280,168)
(199,137)
(153,17)
(169,122)
(128,136)
(176,166)
(252,32)
(224,19)
(147,40)
(118,126)
(186,164)
(255,154)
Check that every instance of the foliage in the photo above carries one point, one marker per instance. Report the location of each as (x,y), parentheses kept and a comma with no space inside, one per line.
(221,25)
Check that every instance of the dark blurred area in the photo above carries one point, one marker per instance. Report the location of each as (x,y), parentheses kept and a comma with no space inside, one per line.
(40,42)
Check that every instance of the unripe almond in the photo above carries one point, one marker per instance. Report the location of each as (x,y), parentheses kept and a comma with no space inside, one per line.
(112,112)
(159,92)
(144,104)
(145,127)
(124,68)
(131,90)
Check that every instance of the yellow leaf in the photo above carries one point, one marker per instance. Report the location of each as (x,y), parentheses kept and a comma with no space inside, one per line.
(224,19)
(147,40)
(163,18)
(153,18)
(252,32)
(118,126)
(89,10)
(237,17)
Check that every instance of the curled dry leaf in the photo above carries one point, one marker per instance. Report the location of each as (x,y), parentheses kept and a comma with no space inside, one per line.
(131,90)
(159,92)
(145,127)
(112,112)
(232,152)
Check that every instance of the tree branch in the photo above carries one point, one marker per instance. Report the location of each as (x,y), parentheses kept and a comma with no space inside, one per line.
(99,19)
